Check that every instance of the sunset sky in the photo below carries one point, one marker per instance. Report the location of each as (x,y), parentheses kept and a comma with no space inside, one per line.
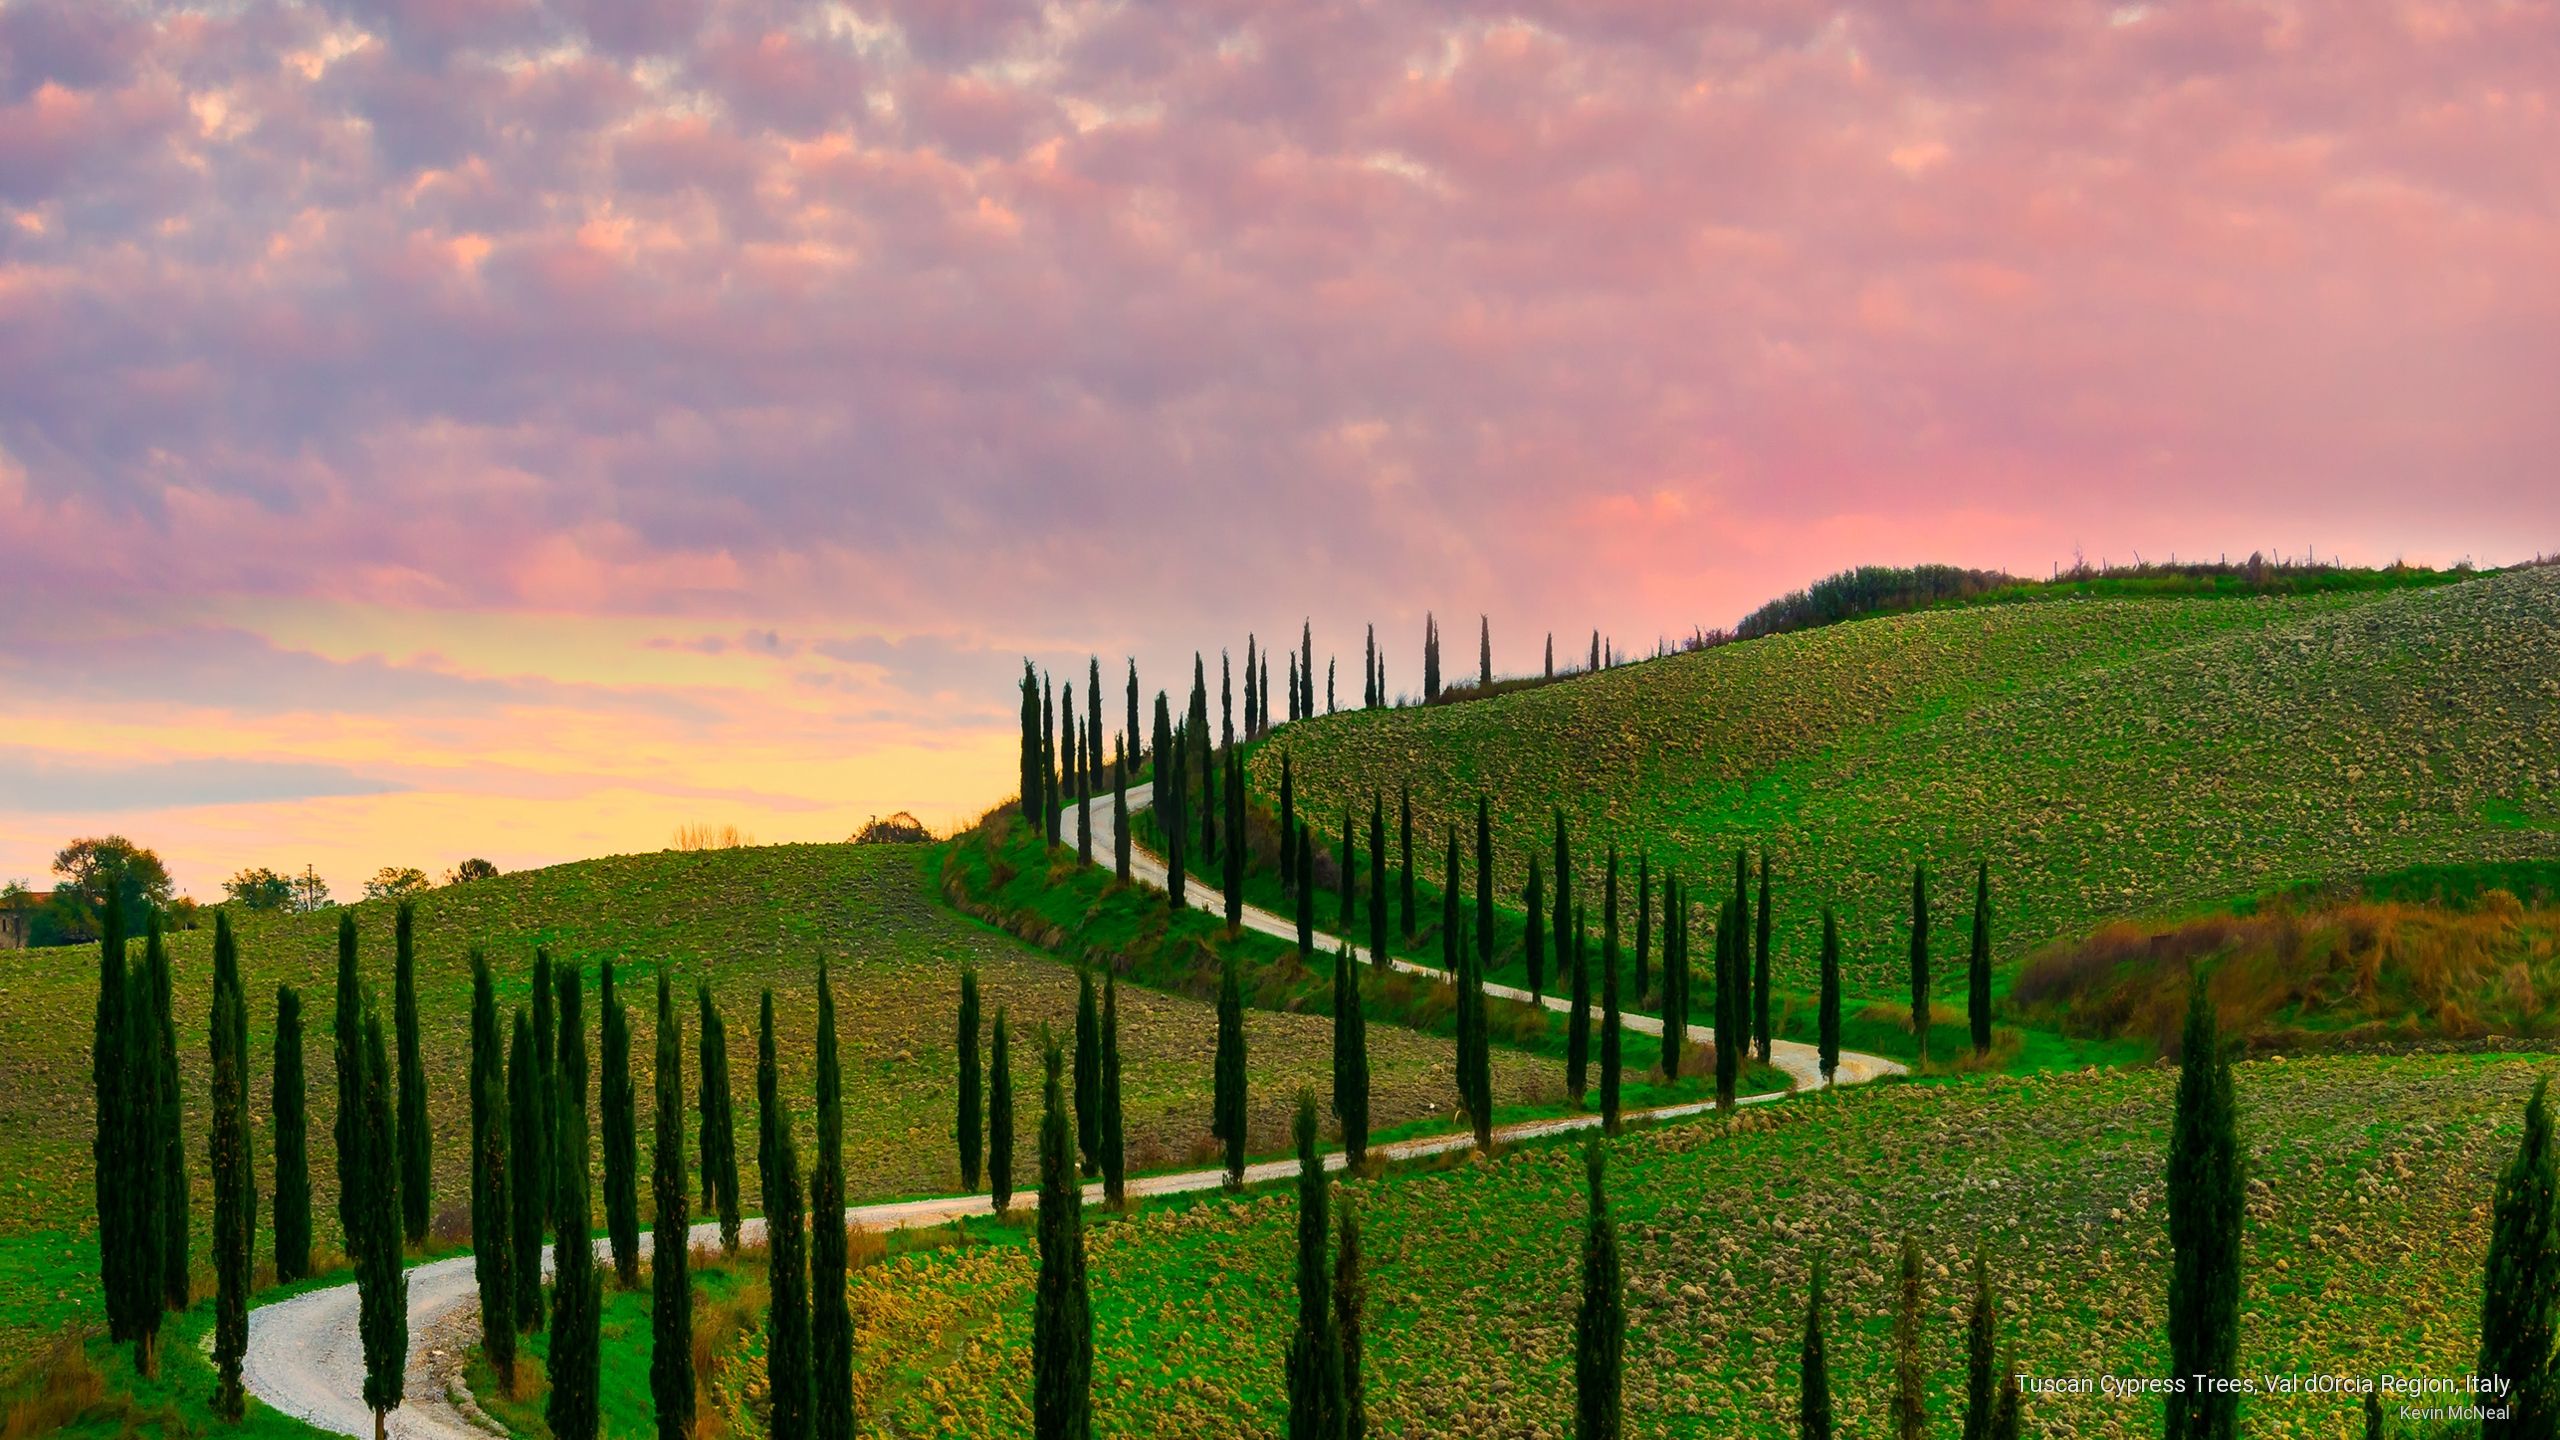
(433,428)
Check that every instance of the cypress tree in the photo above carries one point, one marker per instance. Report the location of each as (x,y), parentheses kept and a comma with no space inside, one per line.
(382,1289)
(1484,884)
(1449,949)
(1813,1369)
(2005,1419)
(1533,935)
(1349,1301)
(1600,1326)
(1830,1012)
(169,1221)
(1377,881)
(493,1249)
(1307,662)
(1252,692)
(670,1248)
(1369,672)
(830,1319)
(1197,731)
(1577,1032)
(1234,854)
(290,1103)
(1115,1141)
(1675,1011)
(1133,732)
(106,1079)
(1034,789)
(1328,684)
(1293,687)
(1404,831)
(1088,1073)
(1315,1354)
(1760,965)
(768,1095)
(1742,1009)
(142,1171)
(1612,1041)
(1227,1073)
(1978,964)
(1000,1117)
(1910,1413)
(621,1127)
(1430,659)
(1288,825)
(1484,653)
(546,1078)
(1048,760)
(786,1274)
(1562,875)
(1084,798)
(1120,808)
(1306,897)
(348,1032)
(1728,1028)
(576,1306)
(719,1138)
(1062,1317)
(973,1145)
(529,1204)
(417,1139)
(1350,877)
(2205,1211)
(1168,796)
(228,1155)
(1644,925)
(1920,960)
(1174,806)
(2520,1295)
(1093,722)
(1550,671)
(1980,1389)
(1595,650)
(1350,1061)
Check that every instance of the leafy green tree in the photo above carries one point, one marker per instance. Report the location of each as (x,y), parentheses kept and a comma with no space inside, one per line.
(831,1319)
(95,875)
(670,1247)
(1533,936)
(169,1221)
(2520,1296)
(576,1305)
(1349,1301)
(1760,965)
(2206,1199)
(1920,960)
(228,1153)
(1350,1061)
(1612,1034)
(1227,1072)
(382,1289)
(1600,1326)
(528,1201)
(289,1102)
(1315,1352)
(1910,1379)
(1088,1073)
(618,1106)
(260,891)
(972,1077)
(417,1139)
(493,1250)
(1000,1117)
(1062,1317)
(1981,1390)
(719,1139)
(1813,1369)
(1829,1018)
(1115,1140)
(786,1251)
(1977,975)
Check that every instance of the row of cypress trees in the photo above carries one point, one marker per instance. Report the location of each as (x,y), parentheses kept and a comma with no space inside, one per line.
(984,1124)
(137,1148)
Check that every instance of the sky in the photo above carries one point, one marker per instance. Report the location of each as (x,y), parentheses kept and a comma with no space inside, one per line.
(518,428)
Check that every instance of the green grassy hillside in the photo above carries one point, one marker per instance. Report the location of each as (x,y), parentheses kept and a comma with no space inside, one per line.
(2106,756)
(745,919)
(2366,1232)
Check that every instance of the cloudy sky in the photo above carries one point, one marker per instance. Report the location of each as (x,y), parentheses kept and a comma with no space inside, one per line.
(519,427)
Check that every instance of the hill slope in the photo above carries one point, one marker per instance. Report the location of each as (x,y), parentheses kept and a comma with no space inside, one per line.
(2103,755)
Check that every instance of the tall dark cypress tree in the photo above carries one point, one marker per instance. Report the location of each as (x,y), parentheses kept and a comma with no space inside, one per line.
(768,1095)
(1174,808)
(1600,1326)
(546,1080)
(1133,732)
(1350,876)
(2006,1420)
(1062,1317)
(1047,780)
(1288,825)
(1484,884)
(1377,880)
(1369,672)
(1307,662)
(973,1144)
(719,1138)
(1404,831)
(1315,1352)
(1088,1074)
(1168,799)
(1577,1031)
(228,1154)
(1981,1391)
(1196,730)
(2205,1212)
(1115,1139)
(1484,653)
(1644,926)
(1120,809)
(1252,690)
(291,1106)
(576,1304)
(670,1248)
(2520,1294)
(621,1126)
(1910,1410)
(1227,1073)
(1084,799)
(493,1249)
(417,1138)
(529,1203)
(1977,974)
(1760,965)
(1093,721)
(1234,855)
(1728,1026)
(1328,684)
(1350,1301)
(1534,935)
(1562,877)
(106,1079)
(1550,672)
(1675,1009)
(1350,1061)
(1612,1035)
(1813,1369)
(830,1317)
(1920,961)
(170,1220)
(1742,1009)
(786,1250)
(382,1288)
(1306,897)
(348,1031)
(1033,790)
(1829,1018)
(1449,891)
(1430,659)
(1000,1117)
(142,1177)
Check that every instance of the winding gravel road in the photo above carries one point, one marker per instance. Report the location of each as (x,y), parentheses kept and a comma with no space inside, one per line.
(305,1358)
